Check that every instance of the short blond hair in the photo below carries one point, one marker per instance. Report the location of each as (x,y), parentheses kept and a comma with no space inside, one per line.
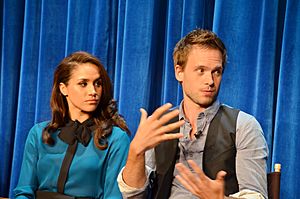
(201,38)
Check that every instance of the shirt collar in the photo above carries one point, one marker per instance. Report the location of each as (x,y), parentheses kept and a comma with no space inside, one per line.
(209,112)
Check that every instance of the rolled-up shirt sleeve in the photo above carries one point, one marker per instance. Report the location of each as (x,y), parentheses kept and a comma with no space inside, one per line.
(251,167)
(252,153)
(137,193)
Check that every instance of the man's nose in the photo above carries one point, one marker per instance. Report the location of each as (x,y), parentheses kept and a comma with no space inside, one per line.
(209,79)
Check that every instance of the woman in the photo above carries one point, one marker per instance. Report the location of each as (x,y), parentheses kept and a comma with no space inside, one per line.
(80,152)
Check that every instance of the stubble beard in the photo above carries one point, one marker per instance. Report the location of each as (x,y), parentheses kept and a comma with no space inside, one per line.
(203,103)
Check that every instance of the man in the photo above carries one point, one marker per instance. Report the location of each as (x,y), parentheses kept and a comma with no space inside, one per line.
(218,150)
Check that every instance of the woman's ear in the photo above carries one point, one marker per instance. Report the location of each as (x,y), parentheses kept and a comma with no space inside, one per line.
(63,89)
(179,73)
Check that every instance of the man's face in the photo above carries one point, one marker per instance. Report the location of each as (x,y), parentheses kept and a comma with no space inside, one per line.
(201,76)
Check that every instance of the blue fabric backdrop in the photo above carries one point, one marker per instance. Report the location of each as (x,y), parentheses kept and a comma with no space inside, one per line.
(134,39)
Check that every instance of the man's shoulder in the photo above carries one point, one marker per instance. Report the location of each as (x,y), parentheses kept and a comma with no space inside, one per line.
(243,116)
(228,113)
(227,107)
(243,112)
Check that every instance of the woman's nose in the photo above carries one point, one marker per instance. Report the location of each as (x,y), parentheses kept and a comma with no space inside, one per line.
(92,90)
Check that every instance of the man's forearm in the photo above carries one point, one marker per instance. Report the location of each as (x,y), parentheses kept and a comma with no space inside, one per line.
(134,174)
(152,130)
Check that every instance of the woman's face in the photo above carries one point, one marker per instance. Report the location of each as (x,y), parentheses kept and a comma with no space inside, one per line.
(83,91)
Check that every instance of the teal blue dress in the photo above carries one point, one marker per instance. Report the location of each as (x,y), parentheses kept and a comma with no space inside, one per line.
(93,172)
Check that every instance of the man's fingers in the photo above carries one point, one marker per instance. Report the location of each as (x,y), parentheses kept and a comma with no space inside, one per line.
(196,168)
(198,183)
(171,136)
(161,110)
(185,173)
(167,117)
(184,183)
(171,127)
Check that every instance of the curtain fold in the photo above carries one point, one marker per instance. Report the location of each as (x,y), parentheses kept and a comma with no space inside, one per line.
(250,31)
(135,41)
(286,139)
(12,29)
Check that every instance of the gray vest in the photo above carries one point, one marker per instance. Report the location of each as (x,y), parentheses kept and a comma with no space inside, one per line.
(219,154)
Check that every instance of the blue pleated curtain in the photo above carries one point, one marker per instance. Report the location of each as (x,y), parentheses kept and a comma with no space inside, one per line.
(134,39)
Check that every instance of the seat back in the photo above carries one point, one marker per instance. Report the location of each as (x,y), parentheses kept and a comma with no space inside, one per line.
(274,183)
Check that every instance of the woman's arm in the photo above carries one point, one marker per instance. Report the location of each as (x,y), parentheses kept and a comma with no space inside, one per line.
(116,160)
(28,180)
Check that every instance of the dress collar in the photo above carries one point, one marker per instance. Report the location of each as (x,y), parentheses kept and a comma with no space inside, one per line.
(74,130)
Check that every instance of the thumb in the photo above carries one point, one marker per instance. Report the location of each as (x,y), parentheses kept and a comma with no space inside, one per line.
(144,115)
(221,175)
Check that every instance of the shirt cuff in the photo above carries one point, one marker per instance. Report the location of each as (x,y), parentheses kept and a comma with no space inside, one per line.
(247,194)
(128,191)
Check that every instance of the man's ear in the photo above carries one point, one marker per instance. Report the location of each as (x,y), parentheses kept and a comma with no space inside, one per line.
(63,89)
(179,73)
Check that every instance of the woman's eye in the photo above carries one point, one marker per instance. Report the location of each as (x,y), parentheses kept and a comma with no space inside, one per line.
(98,83)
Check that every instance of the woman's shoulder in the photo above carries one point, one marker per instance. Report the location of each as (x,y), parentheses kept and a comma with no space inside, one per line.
(38,127)
(119,134)
(118,140)
(41,125)
(35,133)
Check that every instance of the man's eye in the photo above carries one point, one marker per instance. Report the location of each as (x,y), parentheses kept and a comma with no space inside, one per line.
(83,84)
(200,70)
(217,72)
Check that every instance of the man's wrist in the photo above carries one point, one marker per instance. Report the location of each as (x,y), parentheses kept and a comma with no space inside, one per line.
(136,150)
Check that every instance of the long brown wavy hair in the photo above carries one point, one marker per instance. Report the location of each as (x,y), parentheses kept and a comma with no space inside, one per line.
(106,114)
